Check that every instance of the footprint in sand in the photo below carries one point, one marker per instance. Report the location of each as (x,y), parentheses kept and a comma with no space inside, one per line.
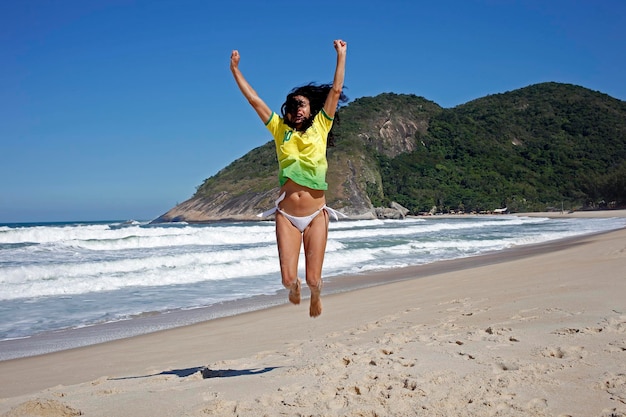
(500,335)
(570,331)
(523,315)
(466,355)
(505,366)
(609,324)
(615,385)
(617,346)
(569,352)
(616,324)
(566,331)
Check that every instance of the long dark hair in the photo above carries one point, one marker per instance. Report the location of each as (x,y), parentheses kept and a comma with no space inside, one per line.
(316,93)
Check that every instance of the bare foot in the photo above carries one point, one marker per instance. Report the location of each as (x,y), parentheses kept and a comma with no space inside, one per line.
(316,302)
(294,292)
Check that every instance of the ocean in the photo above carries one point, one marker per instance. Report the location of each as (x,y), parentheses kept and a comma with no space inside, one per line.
(117,279)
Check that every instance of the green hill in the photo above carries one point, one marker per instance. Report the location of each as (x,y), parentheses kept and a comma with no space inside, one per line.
(530,149)
(527,149)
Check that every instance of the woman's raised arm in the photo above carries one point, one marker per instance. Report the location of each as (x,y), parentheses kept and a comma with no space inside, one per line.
(253,98)
(330,105)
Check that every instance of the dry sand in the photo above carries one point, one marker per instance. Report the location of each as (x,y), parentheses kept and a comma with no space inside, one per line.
(527,333)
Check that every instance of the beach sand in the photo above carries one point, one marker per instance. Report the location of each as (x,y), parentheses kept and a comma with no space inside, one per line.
(535,331)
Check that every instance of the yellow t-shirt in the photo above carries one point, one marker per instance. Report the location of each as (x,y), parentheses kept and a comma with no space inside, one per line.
(302,155)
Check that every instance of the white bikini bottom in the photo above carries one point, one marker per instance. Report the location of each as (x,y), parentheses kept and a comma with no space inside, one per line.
(300,223)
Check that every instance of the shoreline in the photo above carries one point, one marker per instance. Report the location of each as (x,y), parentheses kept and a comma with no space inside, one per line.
(582,214)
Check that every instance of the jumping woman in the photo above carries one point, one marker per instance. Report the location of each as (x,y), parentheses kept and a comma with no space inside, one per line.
(301,135)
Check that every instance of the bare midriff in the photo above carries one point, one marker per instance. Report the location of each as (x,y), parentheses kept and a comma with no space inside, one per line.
(301,201)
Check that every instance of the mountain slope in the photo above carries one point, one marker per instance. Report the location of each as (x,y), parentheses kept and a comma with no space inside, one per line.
(543,145)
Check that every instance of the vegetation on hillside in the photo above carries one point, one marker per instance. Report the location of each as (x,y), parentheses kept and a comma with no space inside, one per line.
(546,145)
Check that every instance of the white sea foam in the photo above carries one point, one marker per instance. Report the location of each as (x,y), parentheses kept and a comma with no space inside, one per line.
(72,275)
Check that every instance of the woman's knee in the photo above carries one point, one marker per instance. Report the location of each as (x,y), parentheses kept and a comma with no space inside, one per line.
(289,279)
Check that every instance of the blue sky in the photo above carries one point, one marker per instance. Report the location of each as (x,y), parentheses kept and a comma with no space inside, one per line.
(119,109)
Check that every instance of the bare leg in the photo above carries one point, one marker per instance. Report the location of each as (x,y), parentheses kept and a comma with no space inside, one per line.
(289,240)
(315,237)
